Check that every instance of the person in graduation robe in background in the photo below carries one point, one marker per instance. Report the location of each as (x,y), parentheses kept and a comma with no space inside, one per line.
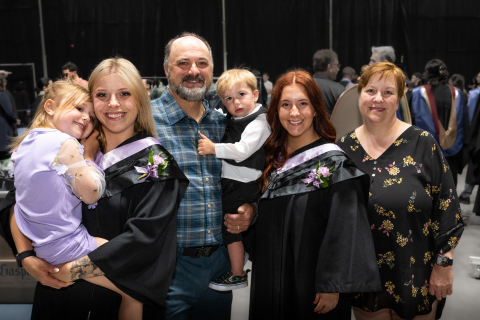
(438,109)
(470,180)
(313,240)
(473,147)
(136,213)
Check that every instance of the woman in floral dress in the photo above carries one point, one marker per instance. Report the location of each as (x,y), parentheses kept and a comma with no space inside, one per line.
(413,206)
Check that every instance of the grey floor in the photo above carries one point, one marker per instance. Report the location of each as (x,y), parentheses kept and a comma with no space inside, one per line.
(463,304)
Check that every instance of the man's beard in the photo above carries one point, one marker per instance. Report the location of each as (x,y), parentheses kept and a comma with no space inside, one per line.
(189,94)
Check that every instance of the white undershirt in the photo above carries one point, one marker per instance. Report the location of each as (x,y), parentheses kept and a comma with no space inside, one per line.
(252,139)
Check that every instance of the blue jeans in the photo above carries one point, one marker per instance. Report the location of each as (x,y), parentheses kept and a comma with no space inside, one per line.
(189,296)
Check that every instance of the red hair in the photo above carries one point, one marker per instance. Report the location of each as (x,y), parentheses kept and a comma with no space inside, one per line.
(277,142)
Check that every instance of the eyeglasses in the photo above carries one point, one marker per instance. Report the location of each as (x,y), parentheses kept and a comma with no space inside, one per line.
(338,65)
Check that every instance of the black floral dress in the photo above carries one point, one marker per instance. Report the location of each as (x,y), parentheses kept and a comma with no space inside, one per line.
(414,214)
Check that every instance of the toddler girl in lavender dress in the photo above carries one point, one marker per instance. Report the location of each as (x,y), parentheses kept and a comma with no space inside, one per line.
(54,173)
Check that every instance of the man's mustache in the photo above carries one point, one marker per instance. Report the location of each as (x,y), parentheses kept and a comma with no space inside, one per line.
(197,78)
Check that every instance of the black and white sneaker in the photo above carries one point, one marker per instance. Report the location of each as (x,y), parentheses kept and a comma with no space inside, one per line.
(229,282)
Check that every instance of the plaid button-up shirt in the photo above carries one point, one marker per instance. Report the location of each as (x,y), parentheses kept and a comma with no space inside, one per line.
(199,216)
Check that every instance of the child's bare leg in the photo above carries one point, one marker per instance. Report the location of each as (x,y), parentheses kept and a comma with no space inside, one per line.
(236,252)
(129,308)
(100,241)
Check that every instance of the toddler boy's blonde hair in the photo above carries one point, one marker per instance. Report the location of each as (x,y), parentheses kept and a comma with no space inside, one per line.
(234,77)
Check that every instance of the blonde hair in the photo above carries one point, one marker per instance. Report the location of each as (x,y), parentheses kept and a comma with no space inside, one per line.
(66,94)
(384,69)
(233,77)
(130,76)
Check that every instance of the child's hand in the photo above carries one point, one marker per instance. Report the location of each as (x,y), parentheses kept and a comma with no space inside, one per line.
(90,145)
(205,146)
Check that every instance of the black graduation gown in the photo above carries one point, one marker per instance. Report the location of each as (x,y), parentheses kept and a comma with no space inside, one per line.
(138,217)
(472,143)
(311,240)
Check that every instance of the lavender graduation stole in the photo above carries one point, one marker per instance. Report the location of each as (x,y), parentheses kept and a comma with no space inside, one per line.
(107,160)
(308,155)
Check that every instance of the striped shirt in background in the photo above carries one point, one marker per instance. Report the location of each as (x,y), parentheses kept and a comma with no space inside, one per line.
(200,213)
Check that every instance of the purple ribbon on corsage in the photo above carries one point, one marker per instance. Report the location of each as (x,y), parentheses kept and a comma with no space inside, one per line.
(150,170)
(155,166)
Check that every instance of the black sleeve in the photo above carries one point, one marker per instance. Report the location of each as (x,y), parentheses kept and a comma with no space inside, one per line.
(6,109)
(5,230)
(346,261)
(141,260)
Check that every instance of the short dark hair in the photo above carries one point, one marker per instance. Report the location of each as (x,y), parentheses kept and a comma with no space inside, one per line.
(43,82)
(417,75)
(322,58)
(348,71)
(168,47)
(70,66)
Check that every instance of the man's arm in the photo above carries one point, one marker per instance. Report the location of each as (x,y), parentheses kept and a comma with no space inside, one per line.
(240,222)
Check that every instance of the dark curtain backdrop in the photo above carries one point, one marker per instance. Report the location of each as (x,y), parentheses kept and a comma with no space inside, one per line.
(267,35)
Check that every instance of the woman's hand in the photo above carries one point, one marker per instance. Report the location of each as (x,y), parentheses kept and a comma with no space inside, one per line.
(240,222)
(90,145)
(43,271)
(205,145)
(325,302)
(441,281)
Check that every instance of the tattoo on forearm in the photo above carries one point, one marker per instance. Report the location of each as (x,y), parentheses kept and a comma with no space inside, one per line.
(84,268)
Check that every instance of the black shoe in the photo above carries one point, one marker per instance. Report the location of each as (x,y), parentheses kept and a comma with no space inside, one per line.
(464,199)
(229,282)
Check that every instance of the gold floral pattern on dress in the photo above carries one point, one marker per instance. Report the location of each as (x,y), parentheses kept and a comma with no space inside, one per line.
(412,261)
(428,256)
(369,194)
(426,304)
(354,148)
(402,241)
(367,157)
(458,216)
(432,189)
(393,169)
(444,204)
(414,291)
(359,295)
(387,259)
(390,286)
(384,212)
(410,283)
(445,168)
(353,136)
(387,227)
(400,141)
(431,225)
(453,242)
(411,207)
(408,161)
(398,298)
(424,134)
(392,181)
(343,138)
(424,289)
